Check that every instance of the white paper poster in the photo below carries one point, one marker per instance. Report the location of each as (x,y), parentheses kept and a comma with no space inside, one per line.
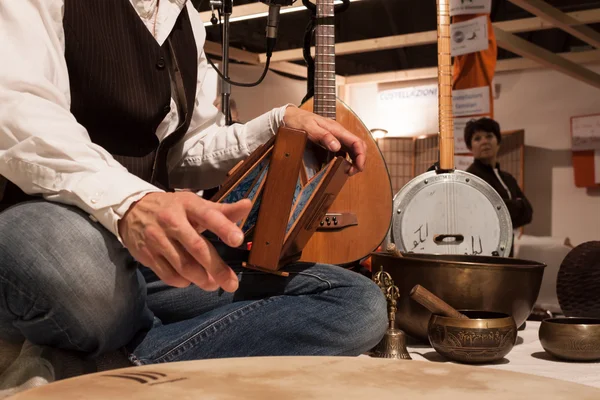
(459,7)
(409,111)
(586,132)
(597,166)
(469,36)
(459,135)
(463,162)
(474,101)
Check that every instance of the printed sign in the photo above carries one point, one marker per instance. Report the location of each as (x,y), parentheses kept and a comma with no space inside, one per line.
(459,136)
(474,101)
(586,132)
(460,7)
(469,36)
(409,111)
(408,94)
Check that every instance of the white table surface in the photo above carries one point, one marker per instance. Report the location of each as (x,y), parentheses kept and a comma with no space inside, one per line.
(528,356)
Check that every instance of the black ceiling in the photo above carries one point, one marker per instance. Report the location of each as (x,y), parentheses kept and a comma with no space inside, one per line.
(369,19)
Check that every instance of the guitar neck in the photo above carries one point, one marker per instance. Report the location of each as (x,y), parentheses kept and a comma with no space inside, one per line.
(325,83)
(446,123)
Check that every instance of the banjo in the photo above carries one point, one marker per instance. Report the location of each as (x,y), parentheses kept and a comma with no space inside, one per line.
(449,211)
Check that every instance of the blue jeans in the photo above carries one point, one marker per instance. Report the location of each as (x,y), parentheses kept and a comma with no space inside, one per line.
(67,282)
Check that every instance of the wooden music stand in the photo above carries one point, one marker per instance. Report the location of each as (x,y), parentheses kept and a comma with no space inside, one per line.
(286,209)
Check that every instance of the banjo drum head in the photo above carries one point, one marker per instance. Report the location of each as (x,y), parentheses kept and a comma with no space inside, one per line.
(316,378)
(450,213)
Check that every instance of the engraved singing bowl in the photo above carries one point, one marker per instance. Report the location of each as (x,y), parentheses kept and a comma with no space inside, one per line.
(484,337)
(571,339)
(507,285)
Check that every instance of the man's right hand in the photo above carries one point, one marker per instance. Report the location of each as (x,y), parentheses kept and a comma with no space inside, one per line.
(163,232)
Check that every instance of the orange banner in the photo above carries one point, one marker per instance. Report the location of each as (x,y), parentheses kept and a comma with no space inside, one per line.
(476,69)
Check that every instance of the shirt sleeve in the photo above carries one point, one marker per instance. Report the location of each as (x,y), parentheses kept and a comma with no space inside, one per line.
(210,153)
(43,149)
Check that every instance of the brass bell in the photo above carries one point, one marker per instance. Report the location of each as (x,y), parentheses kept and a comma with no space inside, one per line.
(393,343)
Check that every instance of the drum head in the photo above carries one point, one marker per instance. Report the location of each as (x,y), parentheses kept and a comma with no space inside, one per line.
(299,378)
(451,213)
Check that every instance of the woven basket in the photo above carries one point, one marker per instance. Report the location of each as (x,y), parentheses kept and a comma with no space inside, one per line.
(578,281)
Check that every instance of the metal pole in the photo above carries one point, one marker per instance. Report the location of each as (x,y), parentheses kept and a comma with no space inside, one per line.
(226,87)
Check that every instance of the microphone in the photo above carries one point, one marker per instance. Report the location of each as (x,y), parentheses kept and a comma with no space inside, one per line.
(273,21)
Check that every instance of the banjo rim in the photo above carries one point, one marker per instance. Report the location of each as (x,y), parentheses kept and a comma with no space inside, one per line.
(406,196)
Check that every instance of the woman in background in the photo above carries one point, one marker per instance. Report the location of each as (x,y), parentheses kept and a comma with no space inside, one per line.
(483,138)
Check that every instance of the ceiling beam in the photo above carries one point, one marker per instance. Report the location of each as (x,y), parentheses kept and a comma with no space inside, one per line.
(560,20)
(299,70)
(248,57)
(290,68)
(240,11)
(256,10)
(430,37)
(215,49)
(510,65)
(361,46)
(503,29)
(547,58)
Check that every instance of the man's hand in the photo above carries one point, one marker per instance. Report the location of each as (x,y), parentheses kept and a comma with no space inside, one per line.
(329,134)
(163,232)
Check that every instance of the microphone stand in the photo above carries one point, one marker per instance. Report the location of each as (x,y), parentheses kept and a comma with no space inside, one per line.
(225,86)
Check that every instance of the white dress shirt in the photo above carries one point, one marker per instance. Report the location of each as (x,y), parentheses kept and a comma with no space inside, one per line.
(44,150)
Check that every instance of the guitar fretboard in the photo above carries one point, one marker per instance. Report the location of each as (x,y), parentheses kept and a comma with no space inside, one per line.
(446,123)
(325,83)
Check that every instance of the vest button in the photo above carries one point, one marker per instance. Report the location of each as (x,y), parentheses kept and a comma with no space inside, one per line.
(160,64)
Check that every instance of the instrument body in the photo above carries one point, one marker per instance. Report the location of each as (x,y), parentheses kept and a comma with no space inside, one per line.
(367,195)
(285,212)
(366,198)
(450,213)
(316,378)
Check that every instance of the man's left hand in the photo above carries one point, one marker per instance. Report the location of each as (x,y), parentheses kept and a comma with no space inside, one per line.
(328,134)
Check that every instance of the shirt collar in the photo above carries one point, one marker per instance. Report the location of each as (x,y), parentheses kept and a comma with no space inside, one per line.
(168,12)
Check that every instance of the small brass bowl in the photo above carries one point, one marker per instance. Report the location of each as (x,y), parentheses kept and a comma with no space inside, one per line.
(484,337)
(572,339)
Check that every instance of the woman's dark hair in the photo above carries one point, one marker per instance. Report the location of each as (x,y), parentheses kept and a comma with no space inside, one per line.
(484,125)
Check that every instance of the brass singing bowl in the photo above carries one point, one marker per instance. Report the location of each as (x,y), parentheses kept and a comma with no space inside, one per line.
(484,337)
(507,285)
(571,339)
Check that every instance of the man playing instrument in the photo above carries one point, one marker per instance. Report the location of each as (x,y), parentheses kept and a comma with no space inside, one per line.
(103,109)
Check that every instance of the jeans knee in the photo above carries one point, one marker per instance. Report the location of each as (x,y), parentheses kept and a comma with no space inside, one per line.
(359,320)
(108,314)
(66,281)
(371,313)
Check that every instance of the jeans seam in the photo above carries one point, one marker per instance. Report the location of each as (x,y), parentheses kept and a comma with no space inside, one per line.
(35,307)
(198,337)
(316,277)
(320,278)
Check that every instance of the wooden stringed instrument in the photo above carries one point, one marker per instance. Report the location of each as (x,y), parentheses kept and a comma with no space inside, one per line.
(359,218)
(449,211)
